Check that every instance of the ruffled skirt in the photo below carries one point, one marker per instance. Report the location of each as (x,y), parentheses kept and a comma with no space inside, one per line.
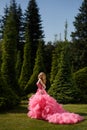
(43,106)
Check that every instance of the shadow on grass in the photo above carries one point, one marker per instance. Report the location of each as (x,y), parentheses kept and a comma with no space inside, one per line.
(18,109)
(23,108)
(83,114)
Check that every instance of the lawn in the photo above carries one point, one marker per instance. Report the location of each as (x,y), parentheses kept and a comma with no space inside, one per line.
(17,119)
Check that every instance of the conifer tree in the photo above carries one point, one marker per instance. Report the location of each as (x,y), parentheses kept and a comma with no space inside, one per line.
(9,47)
(79,37)
(38,67)
(8,84)
(55,61)
(26,67)
(54,68)
(80,24)
(8,98)
(18,64)
(80,78)
(17,11)
(33,27)
(48,49)
(62,88)
(3,21)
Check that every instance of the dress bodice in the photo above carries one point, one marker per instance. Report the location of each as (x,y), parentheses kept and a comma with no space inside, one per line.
(39,85)
(41,89)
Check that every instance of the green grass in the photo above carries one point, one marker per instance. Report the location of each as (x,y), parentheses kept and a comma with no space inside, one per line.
(17,119)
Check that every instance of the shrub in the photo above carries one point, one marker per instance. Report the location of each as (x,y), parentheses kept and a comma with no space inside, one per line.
(81,82)
(8,98)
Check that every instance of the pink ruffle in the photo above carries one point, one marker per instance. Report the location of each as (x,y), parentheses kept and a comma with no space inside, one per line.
(43,106)
(65,118)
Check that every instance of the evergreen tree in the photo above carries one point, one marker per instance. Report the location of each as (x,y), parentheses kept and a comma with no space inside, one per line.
(80,24)
(20,25)
(8,98)
(18,18)
(9,47)
(78,56)
(0,54)
(48,49)
(18,64)
(79,36)
(80,77)
(38,67)
(54,68)
(55,60)
(3,21)
(17,11)
(8,85)
(26,67)
(62,88)
(33,27)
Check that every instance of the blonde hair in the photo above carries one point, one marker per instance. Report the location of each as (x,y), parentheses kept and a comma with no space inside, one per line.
(41,75)
(42,78)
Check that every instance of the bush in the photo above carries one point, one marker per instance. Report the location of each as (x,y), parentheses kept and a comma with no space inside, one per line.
(8,98)
(81,82)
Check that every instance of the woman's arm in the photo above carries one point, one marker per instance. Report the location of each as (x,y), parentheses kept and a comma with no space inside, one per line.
(40,81)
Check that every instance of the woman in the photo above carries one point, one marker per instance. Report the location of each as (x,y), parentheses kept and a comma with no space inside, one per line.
(43,106)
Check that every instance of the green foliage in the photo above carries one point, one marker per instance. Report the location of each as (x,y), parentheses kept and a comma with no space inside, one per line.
(55,60)
(62,88)
(38,67)
(79,37)
(48,49)
(18,65)
(26,67)
(33,27)
(81,81)
(78,55)
(9,52)
(80,24)
(3,21)
(10,89)
(8,98)
(0,54)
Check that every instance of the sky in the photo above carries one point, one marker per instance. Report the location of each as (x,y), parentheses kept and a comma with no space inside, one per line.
(54,14)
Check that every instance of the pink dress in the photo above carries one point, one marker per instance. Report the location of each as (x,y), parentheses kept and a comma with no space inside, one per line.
(43,106)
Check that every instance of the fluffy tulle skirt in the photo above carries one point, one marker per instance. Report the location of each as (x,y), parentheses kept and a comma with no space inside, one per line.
(43,106)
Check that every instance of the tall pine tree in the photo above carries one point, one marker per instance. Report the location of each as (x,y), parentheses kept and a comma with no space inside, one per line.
(26,67)
(62,88)
(17,11)
(80,24)
(38,67)
(55,60)
(9,47)
(79,37)
(3,21)
(33,27)
(8,86)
